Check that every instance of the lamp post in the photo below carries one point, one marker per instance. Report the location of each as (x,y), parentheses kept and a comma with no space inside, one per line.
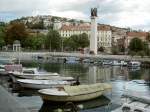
(62,45)
(19,49)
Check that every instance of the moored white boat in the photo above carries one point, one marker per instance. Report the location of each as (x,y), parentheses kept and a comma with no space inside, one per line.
(119,63)
(54,78)
(41,84)
(32,73)
(2,70)
(72,60)
(75,93)
(134,101)
(133,106)
(6,69)
(107,62)
(134,64)
(60,78)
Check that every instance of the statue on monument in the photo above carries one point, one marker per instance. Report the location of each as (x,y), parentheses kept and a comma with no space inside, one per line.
(93,12)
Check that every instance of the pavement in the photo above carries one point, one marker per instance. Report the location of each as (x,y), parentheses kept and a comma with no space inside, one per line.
(8,103)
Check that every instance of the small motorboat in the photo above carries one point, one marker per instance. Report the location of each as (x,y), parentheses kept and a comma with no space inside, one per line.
(2,70)
(40,77)
(42,84)
(134,101)
(72,60)
(107,62)
(133,106)
(140,81)
(63,78)
(7,68)
(32,73)
(134,64)
(75,93)
(119,63)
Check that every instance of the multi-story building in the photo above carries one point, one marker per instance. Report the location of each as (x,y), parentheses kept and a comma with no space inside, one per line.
(118,34)
(104,34)
(47,22)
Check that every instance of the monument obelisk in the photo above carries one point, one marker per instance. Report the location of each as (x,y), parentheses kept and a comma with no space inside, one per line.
(93,37)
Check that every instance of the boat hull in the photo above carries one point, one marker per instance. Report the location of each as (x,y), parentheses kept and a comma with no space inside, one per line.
(75,98)
(34,76)
(3,72)
(15,78)
(40,86)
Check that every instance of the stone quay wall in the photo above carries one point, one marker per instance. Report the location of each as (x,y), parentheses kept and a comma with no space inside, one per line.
(46,55)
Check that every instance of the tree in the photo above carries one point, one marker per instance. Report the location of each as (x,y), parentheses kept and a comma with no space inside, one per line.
(136,45)
(2,24)
(146,48)
(38,25)
(69,43)
(132,53)
(35,42)
(148,37)
(53,40)
(141,53)
(2,36)
(83,40)
(16,31)
(81,21)
(72,20)
(77,41)
(114,50)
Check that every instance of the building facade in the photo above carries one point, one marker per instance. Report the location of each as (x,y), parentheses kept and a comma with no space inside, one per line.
(104,35)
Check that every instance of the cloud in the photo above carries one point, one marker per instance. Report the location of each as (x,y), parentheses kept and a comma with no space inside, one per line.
(70,14)
(126,13)
(122,13)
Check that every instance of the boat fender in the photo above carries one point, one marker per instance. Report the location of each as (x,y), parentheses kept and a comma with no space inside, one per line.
(58,110)
(80,106)
(70,107)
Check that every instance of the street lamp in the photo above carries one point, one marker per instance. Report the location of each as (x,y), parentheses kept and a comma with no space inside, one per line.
(62,45)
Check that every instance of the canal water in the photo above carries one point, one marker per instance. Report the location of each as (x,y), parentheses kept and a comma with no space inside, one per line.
(121,78)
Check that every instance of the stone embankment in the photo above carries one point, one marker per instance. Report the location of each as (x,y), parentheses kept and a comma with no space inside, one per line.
(8,103)
(46,55)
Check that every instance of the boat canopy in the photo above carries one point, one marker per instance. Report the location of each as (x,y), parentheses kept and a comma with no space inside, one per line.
(85,89)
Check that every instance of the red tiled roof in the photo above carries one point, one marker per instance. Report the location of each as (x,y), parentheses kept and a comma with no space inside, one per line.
(137,34)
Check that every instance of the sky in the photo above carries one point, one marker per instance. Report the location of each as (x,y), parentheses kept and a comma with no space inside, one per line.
(121,13)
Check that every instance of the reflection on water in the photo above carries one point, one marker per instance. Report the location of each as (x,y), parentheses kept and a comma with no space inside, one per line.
(92,74)
(25,92)
(117,76)
(53,106)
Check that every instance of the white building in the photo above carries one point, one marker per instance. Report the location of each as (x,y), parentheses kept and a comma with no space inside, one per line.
(47,22)
(57,25)
(104,34)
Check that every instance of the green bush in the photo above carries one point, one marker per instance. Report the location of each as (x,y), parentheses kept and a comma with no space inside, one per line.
(132,53)
(141,53)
